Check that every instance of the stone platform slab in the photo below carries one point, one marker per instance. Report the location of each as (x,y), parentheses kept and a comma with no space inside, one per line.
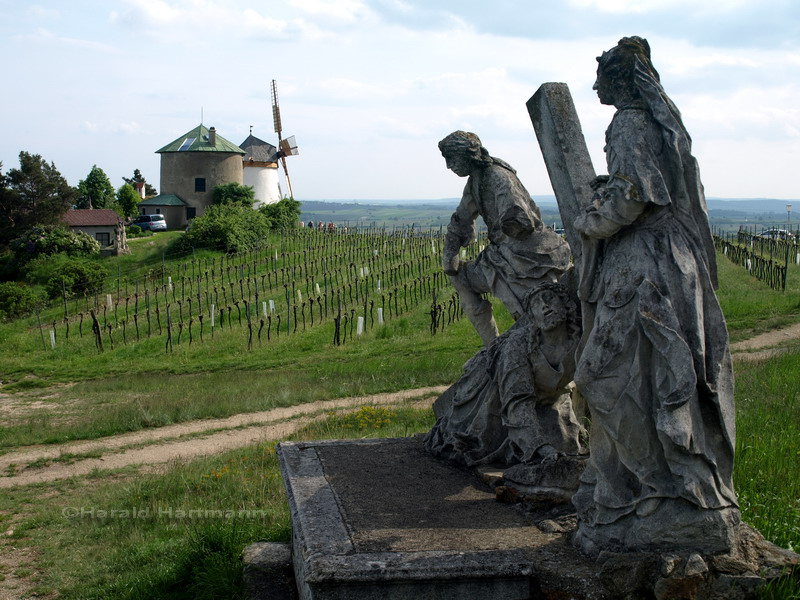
(383,519)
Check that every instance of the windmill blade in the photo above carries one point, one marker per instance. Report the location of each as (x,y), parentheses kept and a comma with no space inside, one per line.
(285,147)
(288,147)
(276,111)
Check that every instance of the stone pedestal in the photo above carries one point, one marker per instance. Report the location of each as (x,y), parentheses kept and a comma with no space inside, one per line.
(383,519)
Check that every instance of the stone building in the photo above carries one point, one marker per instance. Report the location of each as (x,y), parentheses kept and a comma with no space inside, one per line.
(201,159)
(191,167)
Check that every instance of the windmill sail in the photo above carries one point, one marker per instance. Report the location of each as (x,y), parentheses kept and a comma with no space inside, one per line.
(286,147)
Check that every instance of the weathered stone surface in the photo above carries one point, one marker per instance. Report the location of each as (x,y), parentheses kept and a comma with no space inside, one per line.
(383,519)
(552,482)
(512,405)
(566,157)
(268,571)
(522,250)
(690,576)
(653,366)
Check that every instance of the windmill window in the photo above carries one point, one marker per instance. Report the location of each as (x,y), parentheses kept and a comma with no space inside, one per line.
(200,184)
(186,144)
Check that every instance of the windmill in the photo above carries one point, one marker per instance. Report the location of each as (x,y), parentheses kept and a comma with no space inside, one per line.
(288,146)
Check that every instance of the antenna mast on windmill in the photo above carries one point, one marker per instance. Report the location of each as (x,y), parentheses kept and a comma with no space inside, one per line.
(286,147)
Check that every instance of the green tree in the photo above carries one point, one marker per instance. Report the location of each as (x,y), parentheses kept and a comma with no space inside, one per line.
(149,190)
(232,228)
(9,201)
(283,214)
(233,193)
(96,190)
(128,200)
(34,194)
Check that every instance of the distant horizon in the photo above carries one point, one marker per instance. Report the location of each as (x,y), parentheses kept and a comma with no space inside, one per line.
(537,198)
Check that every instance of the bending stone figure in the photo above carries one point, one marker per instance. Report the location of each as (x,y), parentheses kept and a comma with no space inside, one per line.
(655,369)
(512,404)
(522,251)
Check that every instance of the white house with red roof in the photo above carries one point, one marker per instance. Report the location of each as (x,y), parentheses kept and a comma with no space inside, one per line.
(103,224)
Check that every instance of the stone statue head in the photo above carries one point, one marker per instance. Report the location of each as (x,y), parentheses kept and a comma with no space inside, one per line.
(616,71)
(551,305)
(464,153)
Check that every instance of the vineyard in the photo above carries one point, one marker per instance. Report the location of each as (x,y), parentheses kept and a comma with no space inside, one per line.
(765,258)
(347,281)
(344,283)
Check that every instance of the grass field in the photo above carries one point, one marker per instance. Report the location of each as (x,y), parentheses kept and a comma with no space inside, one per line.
(79,537)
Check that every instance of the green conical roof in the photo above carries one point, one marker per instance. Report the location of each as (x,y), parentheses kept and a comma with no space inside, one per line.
(196,140)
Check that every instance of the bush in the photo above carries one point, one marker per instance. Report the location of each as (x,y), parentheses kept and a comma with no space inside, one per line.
(16,300)
(134,231)
(39,270)
(226,227)
(283,214)
(233,193)
(77,277)
(53,239)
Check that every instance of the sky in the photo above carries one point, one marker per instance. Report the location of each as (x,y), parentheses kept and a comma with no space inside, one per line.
(369,87)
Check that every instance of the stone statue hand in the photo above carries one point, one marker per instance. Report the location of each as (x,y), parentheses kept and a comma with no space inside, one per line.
(580,223)
(451,262)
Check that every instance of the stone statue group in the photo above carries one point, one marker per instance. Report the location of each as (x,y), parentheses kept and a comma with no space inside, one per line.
(633,329)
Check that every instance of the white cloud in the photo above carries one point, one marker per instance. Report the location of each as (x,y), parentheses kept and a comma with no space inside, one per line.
(226,21)
(125,128)
(40,12)
(45,36)
(351,90)
(648,6)
(148,13)
(616,6)
(342,10)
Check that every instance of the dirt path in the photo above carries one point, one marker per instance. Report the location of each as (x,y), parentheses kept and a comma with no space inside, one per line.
(169,443)
(766,340)
(211,436)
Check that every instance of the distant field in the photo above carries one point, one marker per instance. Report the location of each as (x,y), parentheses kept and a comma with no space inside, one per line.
(404,213)
(724,215)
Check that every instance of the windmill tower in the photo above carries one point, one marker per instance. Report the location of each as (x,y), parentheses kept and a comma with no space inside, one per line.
(288,146)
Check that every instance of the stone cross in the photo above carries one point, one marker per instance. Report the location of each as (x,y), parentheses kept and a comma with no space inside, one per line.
(558,130)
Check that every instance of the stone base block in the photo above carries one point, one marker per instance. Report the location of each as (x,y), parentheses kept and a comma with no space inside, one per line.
(268,571)
(383,519)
